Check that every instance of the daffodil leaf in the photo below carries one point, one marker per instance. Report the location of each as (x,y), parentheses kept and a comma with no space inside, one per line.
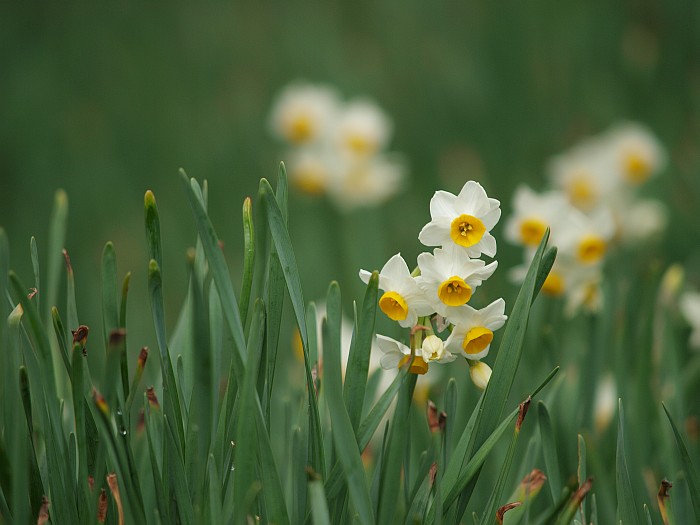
(283,245)
(343,434)
(688,467)
(626,505)
(549,450)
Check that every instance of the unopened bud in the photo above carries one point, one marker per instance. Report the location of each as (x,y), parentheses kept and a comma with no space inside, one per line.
(480,373)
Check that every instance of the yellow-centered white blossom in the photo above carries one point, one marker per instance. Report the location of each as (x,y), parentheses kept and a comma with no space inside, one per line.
(362,128)
(396,354)
(585,238)
(402,300)
(365,182)
(464,220)
(473,330)
(533,213)
(585,174)
(449,277)
(433,351)
(303,113)
(636,152)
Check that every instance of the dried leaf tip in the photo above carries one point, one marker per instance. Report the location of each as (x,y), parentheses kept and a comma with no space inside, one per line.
(505,508)
(524,406)
(114,488)
(69,266)
(102,506)
(143,357)
(43,511)
(152,398)
(116,337)
(80,336)
(661,497)
(432,414)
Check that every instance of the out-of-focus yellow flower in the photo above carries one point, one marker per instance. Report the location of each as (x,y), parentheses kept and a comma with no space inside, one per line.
(532,214)
(362,128)
(636,152)
(303,113)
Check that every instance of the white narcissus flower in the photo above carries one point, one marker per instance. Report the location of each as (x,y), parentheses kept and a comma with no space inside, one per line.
(473,331)
(463,220)
(302,113)
(636,152)
(449,278)
(585,238)
(690,308)
(433,351)
(533,213)
(584,290)
(480,374)
(365,182)
(363,128)
(403,300)
(585,173)
(397,354)
(311,169)
(639,220)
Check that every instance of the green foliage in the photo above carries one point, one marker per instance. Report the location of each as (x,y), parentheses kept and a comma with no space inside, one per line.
(233,439)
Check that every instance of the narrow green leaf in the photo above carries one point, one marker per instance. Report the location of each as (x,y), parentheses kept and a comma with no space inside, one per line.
(57,239)
(343,434)
(392,460)
(37,272)
(203,377)
(358,359)
(248,257)
(626,504)
(244,474)
(582,476)
(688,467)
(549,450)
(110,314)
(214,491)
(283,245)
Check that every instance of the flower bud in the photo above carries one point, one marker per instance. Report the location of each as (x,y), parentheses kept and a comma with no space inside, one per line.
(433,348)
(480,373)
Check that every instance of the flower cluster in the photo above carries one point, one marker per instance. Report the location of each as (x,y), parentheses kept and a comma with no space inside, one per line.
(442,285)
(593,204)
(337,148)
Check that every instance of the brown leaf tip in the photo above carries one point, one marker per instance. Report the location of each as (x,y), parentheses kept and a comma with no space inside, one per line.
(664,488)
(432,414)
(143,357)
(581,492)
(505,508)
(80,336)
(43,511)
(69,266)
(102,506)
(152,398)
(524,406)
(433,473)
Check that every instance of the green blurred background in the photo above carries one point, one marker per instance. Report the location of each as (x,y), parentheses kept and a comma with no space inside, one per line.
(109,101)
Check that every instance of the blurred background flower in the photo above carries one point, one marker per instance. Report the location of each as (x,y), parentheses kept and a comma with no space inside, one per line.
(107,102)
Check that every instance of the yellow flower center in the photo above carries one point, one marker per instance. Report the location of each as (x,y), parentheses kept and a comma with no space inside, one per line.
(582,193)
(477,339)
(467,230)
(531,231)
(360,144)
(394,306)
(300,129)
(309,180)
(454,291)
(418,366)
(591,249)
(553,284)
(637,168)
